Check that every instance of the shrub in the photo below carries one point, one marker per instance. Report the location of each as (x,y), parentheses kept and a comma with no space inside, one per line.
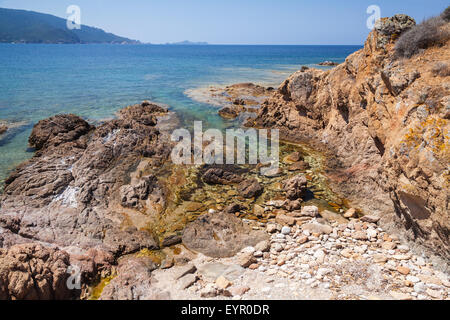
(422,36)
(441,69)
(446,14)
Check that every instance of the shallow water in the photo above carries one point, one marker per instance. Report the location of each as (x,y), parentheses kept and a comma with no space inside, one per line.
(94,81)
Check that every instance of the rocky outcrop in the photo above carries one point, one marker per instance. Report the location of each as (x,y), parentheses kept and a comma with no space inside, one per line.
(3,129)
(383,124)
(220,235)
(33,272)
(133,282)
(73,193)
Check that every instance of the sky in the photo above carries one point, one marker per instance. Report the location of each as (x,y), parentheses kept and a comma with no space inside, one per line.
(278,22)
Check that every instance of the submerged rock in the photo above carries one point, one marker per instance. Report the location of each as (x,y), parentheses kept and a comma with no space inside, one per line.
(250,188)
(295,187)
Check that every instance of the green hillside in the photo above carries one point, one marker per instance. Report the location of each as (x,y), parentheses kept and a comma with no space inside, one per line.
(33,27)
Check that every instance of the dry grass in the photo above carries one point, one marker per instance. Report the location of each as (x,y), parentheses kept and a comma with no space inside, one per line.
(425,35)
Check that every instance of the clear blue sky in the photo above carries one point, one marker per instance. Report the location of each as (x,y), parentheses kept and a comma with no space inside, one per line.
(234,21)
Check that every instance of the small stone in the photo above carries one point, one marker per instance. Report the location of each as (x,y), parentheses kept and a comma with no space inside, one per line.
(400,296)
(250,250)
(245,260)
(223,283)
(388,245)
(258,210)
(379,258)
(210,291)
(403,248)
(370,219)
(286,230)
(254,266)
(285,220)
(302,240)
(211,211)
(187,281)
(239,291)
(319,255)
(434,293)
(347,253)
(403,270)
(372,233)
(360,235)
(402,257)
(317,228)
(167,263)
(258,254)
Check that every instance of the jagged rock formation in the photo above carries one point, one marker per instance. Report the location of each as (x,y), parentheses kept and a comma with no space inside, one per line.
(384,122)
(32,272)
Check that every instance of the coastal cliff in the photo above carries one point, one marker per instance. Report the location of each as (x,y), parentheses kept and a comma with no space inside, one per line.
(383,120)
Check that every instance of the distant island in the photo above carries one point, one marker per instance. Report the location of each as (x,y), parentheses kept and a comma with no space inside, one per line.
(20,26)
(188,43)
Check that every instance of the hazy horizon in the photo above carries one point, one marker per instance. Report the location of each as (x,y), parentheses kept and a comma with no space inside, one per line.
(251,22)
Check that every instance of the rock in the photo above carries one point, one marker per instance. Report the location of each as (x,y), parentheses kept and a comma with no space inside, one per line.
(3,129)
(223,283)
(360,235)
(271,228)
(171,240)
(239,291)
(233,208)
(167,263)
(70,189)
(413,279)
(372,234)
(347,253)
(401,256)
(220,176)
(32,272)
(246,259)
(185,270)
(133,282)
(250,188)
(210,291)
(403,270)
(187,281)
(400,295)
(258,210)
(220,235)
(58,130)
(285,220)
(293,205)
(299,166)
(380,176)
(310,211)
(389,245)
(434,294)
(328,63)
(370,219)
(319,255)
(230,112)
(317,228)
(294,157)
(295,187)
(263,246)
(285,230)
(351,213)
(379,258)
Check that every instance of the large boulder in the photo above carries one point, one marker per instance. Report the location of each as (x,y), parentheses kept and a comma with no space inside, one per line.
(220,235)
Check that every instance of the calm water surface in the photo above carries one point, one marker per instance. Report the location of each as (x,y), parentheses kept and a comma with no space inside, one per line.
(94,81)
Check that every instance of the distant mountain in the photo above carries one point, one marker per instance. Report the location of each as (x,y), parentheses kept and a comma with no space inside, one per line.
(33,27)
(188,43)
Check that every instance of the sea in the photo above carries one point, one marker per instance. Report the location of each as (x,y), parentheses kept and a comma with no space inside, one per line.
(94,81)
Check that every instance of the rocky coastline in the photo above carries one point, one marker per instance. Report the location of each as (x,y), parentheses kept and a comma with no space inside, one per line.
(359,194)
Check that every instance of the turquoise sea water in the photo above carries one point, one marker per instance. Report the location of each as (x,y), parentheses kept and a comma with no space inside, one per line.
(94,81)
